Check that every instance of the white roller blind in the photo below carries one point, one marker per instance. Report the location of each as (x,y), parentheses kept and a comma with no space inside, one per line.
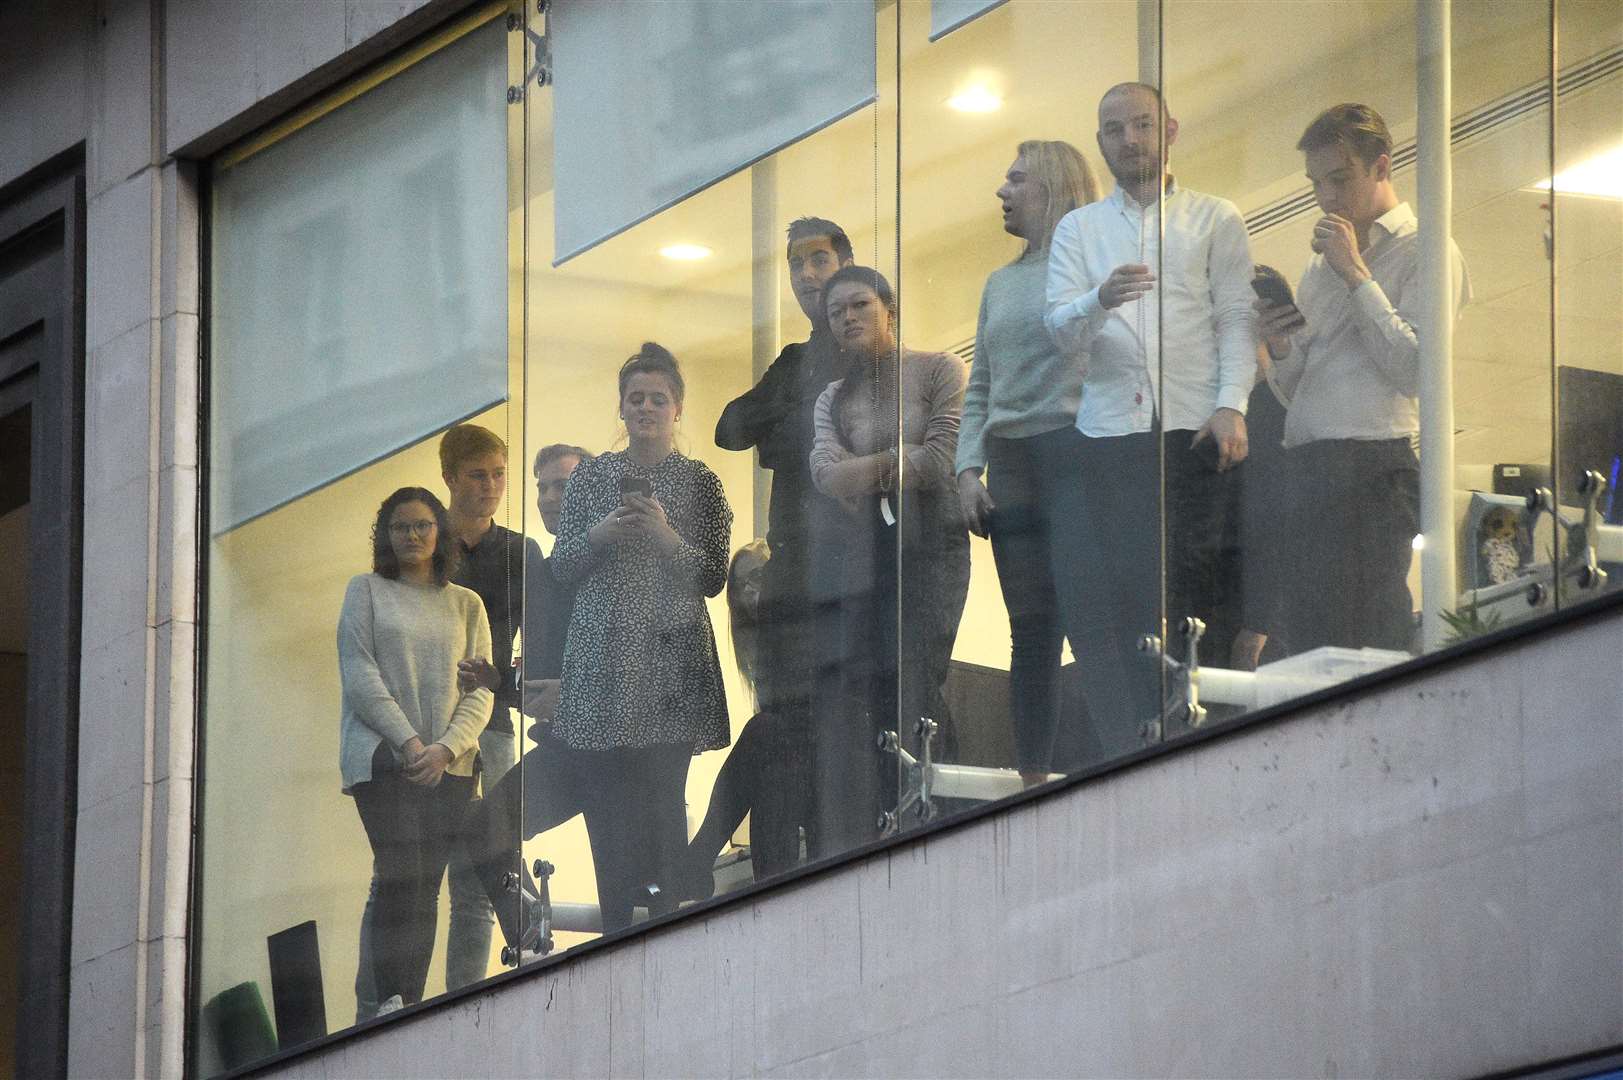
(654,100)
(949,15)
(359,287)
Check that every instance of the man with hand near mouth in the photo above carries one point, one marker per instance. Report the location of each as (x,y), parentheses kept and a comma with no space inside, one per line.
(1347,355)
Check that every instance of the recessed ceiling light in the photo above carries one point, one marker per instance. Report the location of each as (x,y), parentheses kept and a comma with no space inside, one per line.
(975,99)
(1599,177)
(685,252)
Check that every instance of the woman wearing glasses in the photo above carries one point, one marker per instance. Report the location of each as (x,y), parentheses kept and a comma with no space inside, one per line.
(408,736)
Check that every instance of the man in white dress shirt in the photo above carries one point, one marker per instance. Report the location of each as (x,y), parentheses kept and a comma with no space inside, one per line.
(1347,357)
(1170,351)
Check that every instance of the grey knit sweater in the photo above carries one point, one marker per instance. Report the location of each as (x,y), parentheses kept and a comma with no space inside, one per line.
(1020,384)
(398,647)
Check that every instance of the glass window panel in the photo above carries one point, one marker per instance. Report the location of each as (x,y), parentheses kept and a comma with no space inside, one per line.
(1588,231)
(991,123)
(303,926)
(351,262)
(615,799)
(697,91)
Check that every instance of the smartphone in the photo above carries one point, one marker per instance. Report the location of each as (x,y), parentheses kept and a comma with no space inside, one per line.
(1271,286)
(636,485)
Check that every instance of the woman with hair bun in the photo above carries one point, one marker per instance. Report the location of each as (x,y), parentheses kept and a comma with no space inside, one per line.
(643,539)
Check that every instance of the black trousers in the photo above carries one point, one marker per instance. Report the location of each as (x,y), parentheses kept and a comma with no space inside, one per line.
(1354,512)
(636,820)
(1108,573)
(773,773)
(412,830)
(767,775)
(1024,490)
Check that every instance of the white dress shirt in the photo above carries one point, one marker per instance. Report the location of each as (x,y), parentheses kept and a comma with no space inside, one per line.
(1204,290)
(1354,369)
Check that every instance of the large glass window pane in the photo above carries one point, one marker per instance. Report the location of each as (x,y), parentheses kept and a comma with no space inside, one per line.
(1021,553)
(1291,522)
(355,556)
(701,642)
(1502,355)
(1383,466)
(1587,200)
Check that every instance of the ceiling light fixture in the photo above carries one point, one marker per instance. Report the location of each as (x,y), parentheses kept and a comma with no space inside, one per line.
(975,99)
(1599,177)
(685,252)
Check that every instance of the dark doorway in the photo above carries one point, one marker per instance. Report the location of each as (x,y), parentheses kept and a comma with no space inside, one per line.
(15,435)
(41,534)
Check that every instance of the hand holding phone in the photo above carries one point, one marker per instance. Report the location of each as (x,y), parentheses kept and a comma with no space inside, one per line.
(1270,285)
(1277,313)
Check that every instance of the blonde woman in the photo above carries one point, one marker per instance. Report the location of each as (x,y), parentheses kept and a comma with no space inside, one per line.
(1023,390)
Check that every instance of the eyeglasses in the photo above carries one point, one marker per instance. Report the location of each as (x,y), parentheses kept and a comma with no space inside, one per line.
(419,529)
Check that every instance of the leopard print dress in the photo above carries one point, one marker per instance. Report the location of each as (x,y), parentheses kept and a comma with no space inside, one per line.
(640,666)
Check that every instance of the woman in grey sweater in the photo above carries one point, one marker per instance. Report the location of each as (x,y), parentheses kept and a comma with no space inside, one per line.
(408,736)
(1022,390)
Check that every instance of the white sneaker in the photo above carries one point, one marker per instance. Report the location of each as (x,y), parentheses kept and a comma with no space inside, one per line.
(390,1004)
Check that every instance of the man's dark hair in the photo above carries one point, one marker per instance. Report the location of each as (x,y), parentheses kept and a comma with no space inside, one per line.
(807,228)
(1357,127)
(548,454)
(384,562)
(861,376)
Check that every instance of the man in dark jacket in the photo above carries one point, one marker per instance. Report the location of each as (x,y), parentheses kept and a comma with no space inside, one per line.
(775,418)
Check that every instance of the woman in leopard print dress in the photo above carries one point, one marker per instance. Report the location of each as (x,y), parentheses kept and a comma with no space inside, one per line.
(644,538)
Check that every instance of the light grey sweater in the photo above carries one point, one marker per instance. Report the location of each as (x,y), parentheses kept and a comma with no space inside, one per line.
(1020,384)
(398,647)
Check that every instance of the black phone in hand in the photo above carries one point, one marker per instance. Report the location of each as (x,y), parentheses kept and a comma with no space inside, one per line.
(1271,286)
(636,485)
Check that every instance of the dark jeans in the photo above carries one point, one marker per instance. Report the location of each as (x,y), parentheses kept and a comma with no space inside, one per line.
(636,820)
(412,830)
(1355,510)
(1023,489)
(885,647)
(1108,573)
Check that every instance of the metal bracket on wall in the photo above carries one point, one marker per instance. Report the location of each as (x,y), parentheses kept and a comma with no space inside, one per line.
(917,782)
(1591,487)
(1540,501)
(1185,705)
(540,71)
(536,937)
